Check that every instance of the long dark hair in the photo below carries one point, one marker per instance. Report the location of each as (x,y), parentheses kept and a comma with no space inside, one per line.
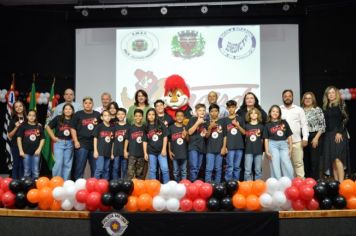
(144,94)
(269,119)
(14,115)
(257,104)
(63,117)
(158,124)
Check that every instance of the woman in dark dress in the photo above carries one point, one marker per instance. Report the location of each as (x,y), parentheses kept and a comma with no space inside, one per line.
(336,148)
(251,101)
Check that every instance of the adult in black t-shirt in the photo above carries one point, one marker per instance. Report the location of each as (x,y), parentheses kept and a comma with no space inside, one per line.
(251,101)
(83,125)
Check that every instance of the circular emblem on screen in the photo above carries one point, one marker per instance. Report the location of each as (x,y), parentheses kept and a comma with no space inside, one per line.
(233,131)
(32,137)
(215,135)
(253,138)
(155,138)
(237,43)
(66,132)
(90,127)
(139,139)
(280,133)
(180,141)
(188,44)
(139,45)
(120,138)
(107,139)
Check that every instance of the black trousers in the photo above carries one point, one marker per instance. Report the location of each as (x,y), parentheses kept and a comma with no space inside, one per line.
(312,157)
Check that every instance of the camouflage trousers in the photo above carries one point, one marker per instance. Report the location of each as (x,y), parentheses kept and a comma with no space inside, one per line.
(135,167)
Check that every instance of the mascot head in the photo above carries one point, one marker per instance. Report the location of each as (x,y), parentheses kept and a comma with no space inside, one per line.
(176,92)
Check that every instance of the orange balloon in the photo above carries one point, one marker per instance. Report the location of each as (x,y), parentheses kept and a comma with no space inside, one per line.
(139,188)
(153,187)
(144,202)
(252,203)
(258,187)
(351,203)
(56,181)
(131,204)
(45,195)
(44,205)
(239,201)
(347,188)
(55,206)
(42,182)
(245,188)
(33,196)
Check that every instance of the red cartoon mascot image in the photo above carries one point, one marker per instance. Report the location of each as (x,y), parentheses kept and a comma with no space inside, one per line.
(176,97)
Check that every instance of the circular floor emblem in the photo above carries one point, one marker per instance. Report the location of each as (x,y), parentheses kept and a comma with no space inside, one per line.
(90,127)
(139,139)
(32,137)
(280,133)
(155,138)
(139,45)
(233,131)
(237,43)
(120,138)
(253,138)
(180,141)
(215,135)
(107,139)
(66,132)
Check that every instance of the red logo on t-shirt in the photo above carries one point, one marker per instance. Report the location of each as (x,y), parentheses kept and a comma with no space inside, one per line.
(30,132)
(153,132)
(276,128)
(104,134)
(120,133)
(88,121)
(136,134)
(251,132)
(64,127)
(176,136)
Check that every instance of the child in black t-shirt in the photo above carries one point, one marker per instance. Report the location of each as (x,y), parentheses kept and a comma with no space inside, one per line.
(133,148)
(178,147)
(120,129)
(253,144)
(113,107)
(161,114)
(103,136)
(216,144)
(278,144)
(63,145)
(234,142)
(156,145)
(30,141)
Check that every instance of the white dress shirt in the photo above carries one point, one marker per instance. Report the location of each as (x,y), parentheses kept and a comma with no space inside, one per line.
(297,121)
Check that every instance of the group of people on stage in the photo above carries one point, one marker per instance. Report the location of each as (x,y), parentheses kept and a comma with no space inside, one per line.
(303,141)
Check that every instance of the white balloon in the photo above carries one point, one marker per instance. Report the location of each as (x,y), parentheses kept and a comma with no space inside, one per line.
(42,95)
(348,96)
(165,191)
(67,205)
(47,94)
(39,101)
(172,204)
(286,206)
(159,203)
(284,183)
(4,91)
(68,183)
(58,193)
(80,184)
(272,185)
(3,100)
(279,199)
(44,100)
(70,192)
(79,206)
(172,184)
(266,200)
(179,191)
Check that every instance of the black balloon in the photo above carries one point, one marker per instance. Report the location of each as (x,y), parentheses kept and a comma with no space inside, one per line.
(20,200)
(219,191)
(322,182)
(226,204)
(28,184)
(16,186)
(127,186)
(353,176)
(339,202)
(320,192)
(213,204)
(114,186)
(231,187)
(120,200)
(332,188)
(107,199)
(32,205)
(326,204)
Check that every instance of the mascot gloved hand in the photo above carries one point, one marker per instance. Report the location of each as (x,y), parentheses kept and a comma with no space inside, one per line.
(176,97)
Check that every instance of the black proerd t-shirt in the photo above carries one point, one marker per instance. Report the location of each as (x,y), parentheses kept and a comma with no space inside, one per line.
(119,138)
(166,120)
(105,135)
(234,139)
(136,136)
(12,126)
(84,123)
(155,137)
(179,145)
(253,139)
(216,139)
(277,130)
(62,129)
(31,136)
(197,139)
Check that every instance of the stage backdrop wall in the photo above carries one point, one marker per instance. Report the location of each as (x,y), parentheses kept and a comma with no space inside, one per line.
(43,41)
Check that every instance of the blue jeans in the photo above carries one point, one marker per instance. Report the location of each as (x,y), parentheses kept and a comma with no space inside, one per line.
(102,167)
(31,166)
(213,161)
(17,167)
(63,154)
(233,161)
(179,169)
(257,160)
(163,164)
(195,161)
(280,164)
(81,157)
(119,165)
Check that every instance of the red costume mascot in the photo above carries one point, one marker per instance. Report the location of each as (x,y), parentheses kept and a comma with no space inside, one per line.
(176,97)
